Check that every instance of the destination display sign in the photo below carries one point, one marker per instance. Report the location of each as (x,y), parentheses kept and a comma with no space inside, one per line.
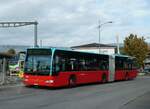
(39,51)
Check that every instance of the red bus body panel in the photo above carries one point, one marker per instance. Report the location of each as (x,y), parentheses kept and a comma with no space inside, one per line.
(62,79)
(121,74)
(132,74)
(82,77)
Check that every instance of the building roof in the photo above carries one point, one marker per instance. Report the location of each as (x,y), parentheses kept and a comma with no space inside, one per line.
(93,45)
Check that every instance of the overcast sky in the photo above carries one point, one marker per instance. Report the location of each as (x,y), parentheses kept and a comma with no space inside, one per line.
(74,22)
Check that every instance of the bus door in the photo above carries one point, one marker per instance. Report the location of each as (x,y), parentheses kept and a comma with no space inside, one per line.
(111,68)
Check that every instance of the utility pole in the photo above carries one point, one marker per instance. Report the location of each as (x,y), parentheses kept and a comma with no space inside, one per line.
(41,43)
(35,34)
(99,29)
(99,33)
(117,38)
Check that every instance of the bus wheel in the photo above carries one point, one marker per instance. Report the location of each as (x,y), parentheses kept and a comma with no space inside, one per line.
(104,78)
(72,81)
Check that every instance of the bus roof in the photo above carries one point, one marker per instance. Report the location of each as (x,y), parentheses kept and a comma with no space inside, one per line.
(125,56)
(78,51)
(69,49)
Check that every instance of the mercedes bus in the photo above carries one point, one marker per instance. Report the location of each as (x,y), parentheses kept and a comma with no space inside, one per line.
(54,67)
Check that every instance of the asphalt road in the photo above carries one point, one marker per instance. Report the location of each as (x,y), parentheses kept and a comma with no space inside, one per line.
(117,95)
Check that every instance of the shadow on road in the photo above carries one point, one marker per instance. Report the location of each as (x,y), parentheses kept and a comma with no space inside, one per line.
(77,86)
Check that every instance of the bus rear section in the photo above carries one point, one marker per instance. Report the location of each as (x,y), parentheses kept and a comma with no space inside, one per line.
(122,67)
(125,67)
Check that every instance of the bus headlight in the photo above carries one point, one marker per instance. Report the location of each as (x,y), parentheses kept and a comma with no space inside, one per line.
(49,81)
(25,79)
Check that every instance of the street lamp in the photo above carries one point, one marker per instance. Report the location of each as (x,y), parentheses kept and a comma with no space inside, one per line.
(99,27)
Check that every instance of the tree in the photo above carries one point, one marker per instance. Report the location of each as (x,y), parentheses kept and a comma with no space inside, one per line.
(122,50)
(137,47)
(11,51)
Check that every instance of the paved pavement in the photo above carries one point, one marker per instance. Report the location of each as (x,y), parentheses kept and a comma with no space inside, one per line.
(117,95)
(141,102)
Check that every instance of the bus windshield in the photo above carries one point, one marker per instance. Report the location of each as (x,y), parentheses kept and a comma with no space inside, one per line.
(38,62)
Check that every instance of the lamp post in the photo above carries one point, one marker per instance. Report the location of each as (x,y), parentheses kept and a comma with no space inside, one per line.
(35,35)
(99,28)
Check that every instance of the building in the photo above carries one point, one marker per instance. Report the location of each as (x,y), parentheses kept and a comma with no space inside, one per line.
(94,48)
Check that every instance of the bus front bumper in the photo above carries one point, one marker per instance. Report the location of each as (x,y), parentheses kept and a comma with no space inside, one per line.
(39,81)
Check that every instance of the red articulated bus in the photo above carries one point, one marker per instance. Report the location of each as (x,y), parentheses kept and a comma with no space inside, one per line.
(57,67)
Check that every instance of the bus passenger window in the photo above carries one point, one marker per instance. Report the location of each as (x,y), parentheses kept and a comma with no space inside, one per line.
(104,66)
(72,64)
(82,65)
(56,67)
(63,64)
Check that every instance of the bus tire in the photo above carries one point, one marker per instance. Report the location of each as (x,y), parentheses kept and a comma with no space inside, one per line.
(72,81)
(104,78)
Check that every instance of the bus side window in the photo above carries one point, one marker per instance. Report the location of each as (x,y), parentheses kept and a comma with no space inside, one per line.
(63,64)
(72,63)
(119,64)
(68,65)
(56,67)
(88,64)
(104,66)
(82,64)
(103,63)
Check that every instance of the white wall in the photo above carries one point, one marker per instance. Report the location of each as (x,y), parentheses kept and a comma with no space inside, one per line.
(102,50)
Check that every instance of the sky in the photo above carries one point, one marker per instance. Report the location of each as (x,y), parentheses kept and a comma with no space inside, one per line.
(74,22)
